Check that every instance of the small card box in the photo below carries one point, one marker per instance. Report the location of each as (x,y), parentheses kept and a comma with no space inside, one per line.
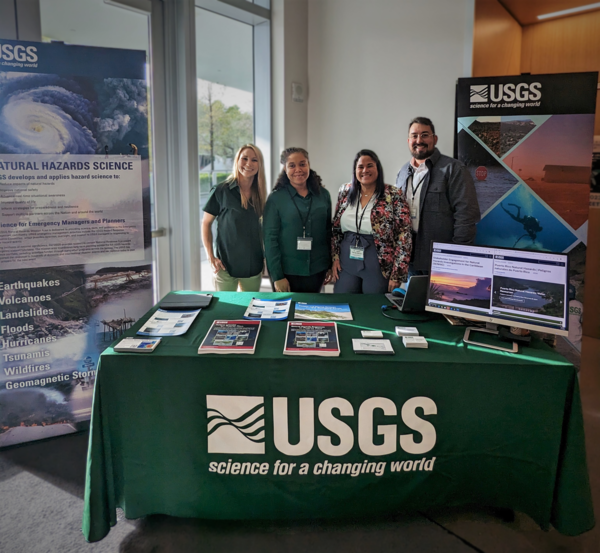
(414,342)
(407,331)
(371,333)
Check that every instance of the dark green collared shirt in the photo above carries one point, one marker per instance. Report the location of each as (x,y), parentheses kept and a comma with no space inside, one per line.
(239,242)
(282,225)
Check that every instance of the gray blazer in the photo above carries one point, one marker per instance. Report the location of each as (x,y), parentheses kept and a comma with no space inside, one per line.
(448,207)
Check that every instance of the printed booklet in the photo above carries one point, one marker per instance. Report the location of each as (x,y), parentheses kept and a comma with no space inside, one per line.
(137,345)
(323,311)
(312,339)
(168,323)
(231,337)
(268,310)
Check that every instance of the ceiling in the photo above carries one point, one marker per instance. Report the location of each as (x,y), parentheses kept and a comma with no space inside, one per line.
(526,11)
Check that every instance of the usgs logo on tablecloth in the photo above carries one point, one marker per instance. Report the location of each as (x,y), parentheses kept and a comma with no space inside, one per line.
(236,424)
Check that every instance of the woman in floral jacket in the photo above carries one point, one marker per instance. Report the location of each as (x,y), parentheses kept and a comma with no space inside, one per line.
(372,238)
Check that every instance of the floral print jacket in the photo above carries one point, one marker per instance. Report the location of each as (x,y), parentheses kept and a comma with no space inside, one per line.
(392,231)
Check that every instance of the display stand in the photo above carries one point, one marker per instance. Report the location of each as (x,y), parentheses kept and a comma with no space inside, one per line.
(489,329)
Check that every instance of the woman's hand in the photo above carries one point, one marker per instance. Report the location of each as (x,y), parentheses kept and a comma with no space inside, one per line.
(282,285)
(328,277)
(216,264)
(335,270)
(393,284)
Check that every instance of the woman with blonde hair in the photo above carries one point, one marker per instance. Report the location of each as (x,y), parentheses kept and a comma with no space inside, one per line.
(237,204)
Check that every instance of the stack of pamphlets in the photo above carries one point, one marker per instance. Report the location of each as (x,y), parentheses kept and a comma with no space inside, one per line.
(268,310)
(378,347)
(312,339)
(231,337)
(323,311)
(168,323)
(414,342)
(137,345)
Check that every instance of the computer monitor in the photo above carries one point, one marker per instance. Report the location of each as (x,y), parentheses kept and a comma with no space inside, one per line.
(502,286)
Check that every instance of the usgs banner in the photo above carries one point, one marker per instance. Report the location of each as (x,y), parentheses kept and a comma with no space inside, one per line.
(75,258)
(527,141)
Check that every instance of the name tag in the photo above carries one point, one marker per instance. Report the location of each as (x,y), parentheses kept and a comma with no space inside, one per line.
(357,252)
(304,243)
(413,212)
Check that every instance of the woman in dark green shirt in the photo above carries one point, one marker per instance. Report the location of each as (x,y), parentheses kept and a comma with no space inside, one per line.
(237,204)
(297,227)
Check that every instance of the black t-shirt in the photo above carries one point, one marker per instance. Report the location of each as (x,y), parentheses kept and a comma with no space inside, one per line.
(239,237)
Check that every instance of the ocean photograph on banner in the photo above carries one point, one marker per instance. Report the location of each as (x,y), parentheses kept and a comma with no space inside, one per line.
(527,142)
(75,244)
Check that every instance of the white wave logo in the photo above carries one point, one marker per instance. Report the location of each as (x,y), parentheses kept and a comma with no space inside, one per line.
(236,424)
(479,93)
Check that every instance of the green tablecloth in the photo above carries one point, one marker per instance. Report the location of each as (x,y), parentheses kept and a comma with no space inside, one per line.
(507,429)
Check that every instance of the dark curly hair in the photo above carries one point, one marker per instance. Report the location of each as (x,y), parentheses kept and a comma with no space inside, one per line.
(355,185)
(313,183)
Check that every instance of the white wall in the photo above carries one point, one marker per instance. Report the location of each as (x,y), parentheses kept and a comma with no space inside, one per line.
(289,24)
(373,65)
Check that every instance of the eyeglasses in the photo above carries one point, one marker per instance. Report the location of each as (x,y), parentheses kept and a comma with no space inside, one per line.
(423,136)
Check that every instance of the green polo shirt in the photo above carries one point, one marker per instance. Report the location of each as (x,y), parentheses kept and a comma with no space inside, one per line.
(239,242)
(282,225)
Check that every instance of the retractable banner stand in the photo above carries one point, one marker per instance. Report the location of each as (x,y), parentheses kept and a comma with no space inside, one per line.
(75,256)
(527,141)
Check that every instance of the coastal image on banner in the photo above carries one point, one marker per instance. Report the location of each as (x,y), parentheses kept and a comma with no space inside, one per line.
(75,246)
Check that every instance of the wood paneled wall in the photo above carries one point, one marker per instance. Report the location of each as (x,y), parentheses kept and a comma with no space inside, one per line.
(565,45)
(496,41)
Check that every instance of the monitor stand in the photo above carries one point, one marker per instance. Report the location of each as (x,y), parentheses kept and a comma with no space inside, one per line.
(489,329)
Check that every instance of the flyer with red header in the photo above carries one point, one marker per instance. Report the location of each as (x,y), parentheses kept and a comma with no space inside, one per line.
(312,338)
(231,337)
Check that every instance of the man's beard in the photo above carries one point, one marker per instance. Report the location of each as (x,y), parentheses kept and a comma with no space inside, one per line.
(424,154)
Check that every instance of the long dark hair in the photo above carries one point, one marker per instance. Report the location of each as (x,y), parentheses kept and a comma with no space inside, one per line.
(355,185)
(313,183)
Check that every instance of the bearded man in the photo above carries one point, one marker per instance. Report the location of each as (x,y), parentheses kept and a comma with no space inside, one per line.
(440,193)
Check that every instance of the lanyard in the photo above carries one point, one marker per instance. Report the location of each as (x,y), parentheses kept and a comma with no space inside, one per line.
(412,180)
(303,220)
(357,222)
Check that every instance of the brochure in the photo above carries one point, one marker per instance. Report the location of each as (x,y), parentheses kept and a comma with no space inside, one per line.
(137,345)
(231,337)
(378,347)
(323,311)
(312,339)
(168,323)
(268,310)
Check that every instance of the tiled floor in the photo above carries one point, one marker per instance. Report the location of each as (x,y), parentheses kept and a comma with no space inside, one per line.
(41,499)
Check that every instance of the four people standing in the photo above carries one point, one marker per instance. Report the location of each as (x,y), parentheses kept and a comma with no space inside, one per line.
(380,234)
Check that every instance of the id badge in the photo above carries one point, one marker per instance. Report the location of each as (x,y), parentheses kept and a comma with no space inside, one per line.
(413,213)
(357,252)
(304,243)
